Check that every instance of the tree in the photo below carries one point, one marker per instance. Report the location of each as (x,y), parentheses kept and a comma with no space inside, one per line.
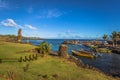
(44,48)
(119,37)
(19,35)
(119,34)
(115,37)
(105,37)
(112,38)
(11,36)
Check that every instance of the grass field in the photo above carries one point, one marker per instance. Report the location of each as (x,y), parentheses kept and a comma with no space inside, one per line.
(45,68)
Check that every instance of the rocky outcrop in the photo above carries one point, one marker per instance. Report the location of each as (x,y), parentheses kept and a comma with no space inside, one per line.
(63,51)
(115,50)
(71,42)
(77,61)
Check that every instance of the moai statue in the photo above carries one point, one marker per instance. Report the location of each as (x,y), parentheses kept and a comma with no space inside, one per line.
(19,35)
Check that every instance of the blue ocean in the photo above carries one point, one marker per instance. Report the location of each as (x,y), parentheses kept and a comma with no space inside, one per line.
(108,63)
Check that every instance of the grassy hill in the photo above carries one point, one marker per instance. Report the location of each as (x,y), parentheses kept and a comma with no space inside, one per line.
(45,68)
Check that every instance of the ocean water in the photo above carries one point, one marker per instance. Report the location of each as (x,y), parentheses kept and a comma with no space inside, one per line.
(108,63)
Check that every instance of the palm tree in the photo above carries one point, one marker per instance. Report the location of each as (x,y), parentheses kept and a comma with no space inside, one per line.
(115,36)
(45,48)
(119,37)
(105,37)
(119,34)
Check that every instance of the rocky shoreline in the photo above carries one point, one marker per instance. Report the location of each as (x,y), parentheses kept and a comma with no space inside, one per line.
(80,63)
(71,42)
(115,50)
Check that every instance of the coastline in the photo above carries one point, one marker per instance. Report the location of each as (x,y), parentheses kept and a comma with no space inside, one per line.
(80,63)
(55,58)
(114,74)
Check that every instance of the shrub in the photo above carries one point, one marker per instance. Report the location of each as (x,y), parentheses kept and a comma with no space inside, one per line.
(44,48)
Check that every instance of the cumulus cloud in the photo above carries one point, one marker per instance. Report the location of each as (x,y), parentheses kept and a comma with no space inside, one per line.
(51,13)
(30,27)
(9,23)
(12,23)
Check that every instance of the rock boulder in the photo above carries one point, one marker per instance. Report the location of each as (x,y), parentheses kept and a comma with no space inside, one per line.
(63,51)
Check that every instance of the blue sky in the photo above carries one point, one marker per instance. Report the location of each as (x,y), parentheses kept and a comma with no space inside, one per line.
(60,18)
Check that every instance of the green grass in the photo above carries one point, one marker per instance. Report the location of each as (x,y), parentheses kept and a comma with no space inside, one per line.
(13,50)
(43,68)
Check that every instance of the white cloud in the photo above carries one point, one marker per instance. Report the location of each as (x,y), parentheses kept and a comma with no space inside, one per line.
(69,35)
(68,32)
(51,13)
(9,23)
(19,26)
(12,23)
(30,27)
